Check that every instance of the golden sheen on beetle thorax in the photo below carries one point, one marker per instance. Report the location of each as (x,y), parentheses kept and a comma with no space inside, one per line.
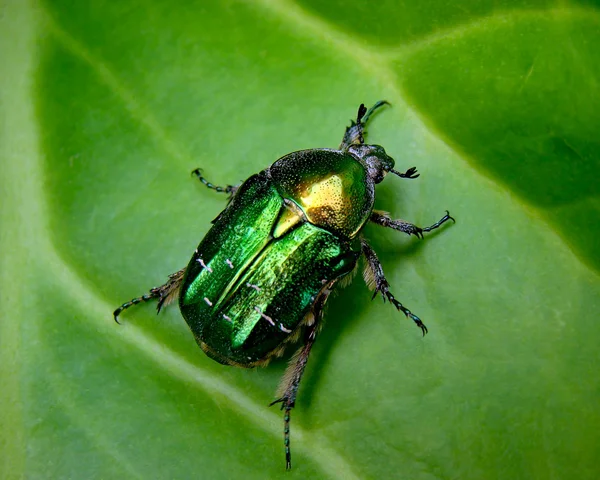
(332,189)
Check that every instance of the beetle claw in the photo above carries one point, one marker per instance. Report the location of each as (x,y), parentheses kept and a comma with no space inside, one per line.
(279,400)
(382,291)
(418,233)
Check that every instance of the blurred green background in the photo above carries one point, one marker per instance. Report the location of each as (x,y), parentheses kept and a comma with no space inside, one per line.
(106,107)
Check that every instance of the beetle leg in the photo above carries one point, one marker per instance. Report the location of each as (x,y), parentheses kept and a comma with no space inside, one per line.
(293,374)
(374,277)
(354,134)
(165,293)
(229,189)
(383,219)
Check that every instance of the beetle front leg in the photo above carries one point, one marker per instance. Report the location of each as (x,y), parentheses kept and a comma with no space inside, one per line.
(374,277)
(165,293)
(354,134)
(383,219)
(228,189)
(288,388)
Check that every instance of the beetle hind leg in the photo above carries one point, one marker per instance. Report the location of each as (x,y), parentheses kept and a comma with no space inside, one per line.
(290,382)
(165,294)
(375,278)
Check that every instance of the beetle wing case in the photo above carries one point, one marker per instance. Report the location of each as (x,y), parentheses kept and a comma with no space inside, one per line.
(245,291)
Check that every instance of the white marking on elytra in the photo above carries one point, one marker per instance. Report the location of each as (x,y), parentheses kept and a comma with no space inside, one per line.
(208,302)
(266,317)
(227,318)
(255,287)
(324,281)
(283,329)
(196,251)
(228,262)
(201,262)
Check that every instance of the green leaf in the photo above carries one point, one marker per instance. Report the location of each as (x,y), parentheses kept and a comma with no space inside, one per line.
(108,106)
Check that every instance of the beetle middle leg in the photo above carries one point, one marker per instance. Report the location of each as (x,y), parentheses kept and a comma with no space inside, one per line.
(288,388)
(374,277)
(383,219)
(228,189)
(165,294)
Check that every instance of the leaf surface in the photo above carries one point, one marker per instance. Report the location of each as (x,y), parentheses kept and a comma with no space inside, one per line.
(107,107)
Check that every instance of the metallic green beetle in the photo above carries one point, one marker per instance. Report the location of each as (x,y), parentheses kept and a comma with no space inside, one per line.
(260,278)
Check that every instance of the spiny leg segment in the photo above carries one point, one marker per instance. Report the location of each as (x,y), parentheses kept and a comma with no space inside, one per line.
(165,293)
(375,278)
(291,379)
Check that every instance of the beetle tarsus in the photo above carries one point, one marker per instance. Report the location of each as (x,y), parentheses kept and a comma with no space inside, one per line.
(439,223)
(406,312)
(286,429)
(369,112)
(419,323)
(382,286)
(144,298)
(354,134)
(165,293)
(228,189)
(288,388)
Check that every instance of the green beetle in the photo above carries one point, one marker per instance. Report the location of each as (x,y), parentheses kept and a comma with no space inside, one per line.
(260,278)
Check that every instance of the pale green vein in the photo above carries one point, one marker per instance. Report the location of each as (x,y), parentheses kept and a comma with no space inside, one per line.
(31,235)
(380,62)
(319,451)
(30,185)
(485,24)
(302,23)
(94,430)
(310,27)
(135,108)
(375,56)
(17,44)
(329,460)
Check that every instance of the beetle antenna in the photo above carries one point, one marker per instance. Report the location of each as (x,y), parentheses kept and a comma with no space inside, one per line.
(410,173)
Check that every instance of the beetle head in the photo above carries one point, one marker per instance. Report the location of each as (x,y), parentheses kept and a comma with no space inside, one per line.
(375,160)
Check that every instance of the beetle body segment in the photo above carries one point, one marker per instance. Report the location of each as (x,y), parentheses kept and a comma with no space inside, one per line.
(245,290)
